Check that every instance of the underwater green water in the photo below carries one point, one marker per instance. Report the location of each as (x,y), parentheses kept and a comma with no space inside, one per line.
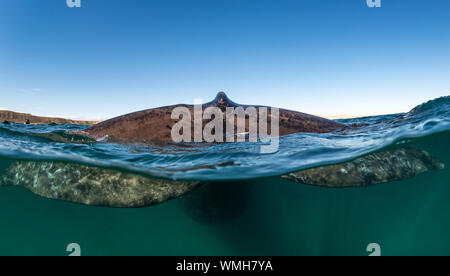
(410,217)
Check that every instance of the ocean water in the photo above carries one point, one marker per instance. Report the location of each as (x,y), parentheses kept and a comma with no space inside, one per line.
(260,213)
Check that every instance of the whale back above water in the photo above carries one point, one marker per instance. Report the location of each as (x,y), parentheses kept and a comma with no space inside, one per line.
(156,124)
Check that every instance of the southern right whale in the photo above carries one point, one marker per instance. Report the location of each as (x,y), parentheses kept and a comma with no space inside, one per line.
(103,187)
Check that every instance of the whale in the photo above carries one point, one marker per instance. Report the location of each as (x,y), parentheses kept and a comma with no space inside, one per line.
(156,124)
(98,186)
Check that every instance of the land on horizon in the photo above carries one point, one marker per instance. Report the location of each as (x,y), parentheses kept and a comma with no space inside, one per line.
(22,118)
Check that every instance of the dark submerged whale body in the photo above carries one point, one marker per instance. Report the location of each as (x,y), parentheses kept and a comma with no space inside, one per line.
(156,124)
(92,185)
(109,188)
(376,168)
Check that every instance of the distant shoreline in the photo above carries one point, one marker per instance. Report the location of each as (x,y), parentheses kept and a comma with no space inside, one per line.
(22,118)
(341,117)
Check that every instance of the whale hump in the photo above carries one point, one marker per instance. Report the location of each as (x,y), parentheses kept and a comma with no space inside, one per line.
(156,124)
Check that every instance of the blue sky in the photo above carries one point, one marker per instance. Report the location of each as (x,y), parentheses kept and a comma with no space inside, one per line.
(325,57)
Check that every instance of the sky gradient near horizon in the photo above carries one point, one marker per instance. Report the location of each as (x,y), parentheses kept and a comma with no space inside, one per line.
(324,57)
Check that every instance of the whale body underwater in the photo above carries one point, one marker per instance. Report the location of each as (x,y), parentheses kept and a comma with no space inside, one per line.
(109,188)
